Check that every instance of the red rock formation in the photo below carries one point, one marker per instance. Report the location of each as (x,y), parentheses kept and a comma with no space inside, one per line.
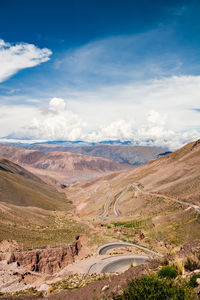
(46,261)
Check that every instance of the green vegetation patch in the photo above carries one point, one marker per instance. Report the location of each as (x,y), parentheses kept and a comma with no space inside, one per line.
(170,272)
(193,280)
(152,287)
(137,224)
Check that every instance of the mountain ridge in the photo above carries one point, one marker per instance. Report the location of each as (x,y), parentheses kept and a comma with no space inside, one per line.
(124,154)
(64,167)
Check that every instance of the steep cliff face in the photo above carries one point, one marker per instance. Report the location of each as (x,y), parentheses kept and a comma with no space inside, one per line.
(47,261)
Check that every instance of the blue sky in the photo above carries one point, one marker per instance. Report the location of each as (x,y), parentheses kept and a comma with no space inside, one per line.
(114,69)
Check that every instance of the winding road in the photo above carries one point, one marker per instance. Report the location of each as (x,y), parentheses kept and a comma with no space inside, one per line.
(107,247)
(105,213)
(116,212)
(136,186)
(117,262)
(196,207)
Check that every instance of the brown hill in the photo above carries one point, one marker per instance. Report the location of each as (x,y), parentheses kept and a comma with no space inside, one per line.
(133,155)
(63,167)
(19,187)
(176,175)
(32,212)
(10,167)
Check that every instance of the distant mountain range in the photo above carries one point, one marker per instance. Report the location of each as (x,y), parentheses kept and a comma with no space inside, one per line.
(20,142)
(60,166)
(120,153)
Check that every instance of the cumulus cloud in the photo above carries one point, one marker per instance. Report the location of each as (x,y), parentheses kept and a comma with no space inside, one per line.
(57,105)
(60,123)
(15,57)
(153,132)
(121,129)
(57,123)
(160,112)
(156,133)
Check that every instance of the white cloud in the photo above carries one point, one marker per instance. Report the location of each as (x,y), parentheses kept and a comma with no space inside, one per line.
(57,123)
(153,132)
(156,133)
(156,112)
(121,129)
(123,58)
(172,97)
(20,56)
(155,118)
(57,105)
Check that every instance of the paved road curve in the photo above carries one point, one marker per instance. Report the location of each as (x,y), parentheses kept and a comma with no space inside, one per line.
(196,207)
(116,263)
(107,247)
(115,209)
(136,186)
(105,213)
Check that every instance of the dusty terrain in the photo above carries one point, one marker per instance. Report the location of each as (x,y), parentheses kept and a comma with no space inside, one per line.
(32,212)
(144,218)
(96,286)
(161,220)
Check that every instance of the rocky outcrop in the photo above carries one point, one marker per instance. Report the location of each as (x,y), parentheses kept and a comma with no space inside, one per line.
(46,261)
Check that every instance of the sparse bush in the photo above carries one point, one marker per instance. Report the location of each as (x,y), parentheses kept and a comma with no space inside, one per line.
(193,280)
(169,272)
(180,266)
(165,262)
(191,264)
(28,291)
(152,287)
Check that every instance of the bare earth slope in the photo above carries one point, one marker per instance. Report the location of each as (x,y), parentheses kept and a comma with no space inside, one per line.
(63,167)
(133,155)
(176,175)
(31,212)
(20,187)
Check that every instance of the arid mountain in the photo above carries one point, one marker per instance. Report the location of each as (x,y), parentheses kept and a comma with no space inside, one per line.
(19,187)
(176,175)
(138,206)
(31,212)
(10,167)
(63,167)
(133,155)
